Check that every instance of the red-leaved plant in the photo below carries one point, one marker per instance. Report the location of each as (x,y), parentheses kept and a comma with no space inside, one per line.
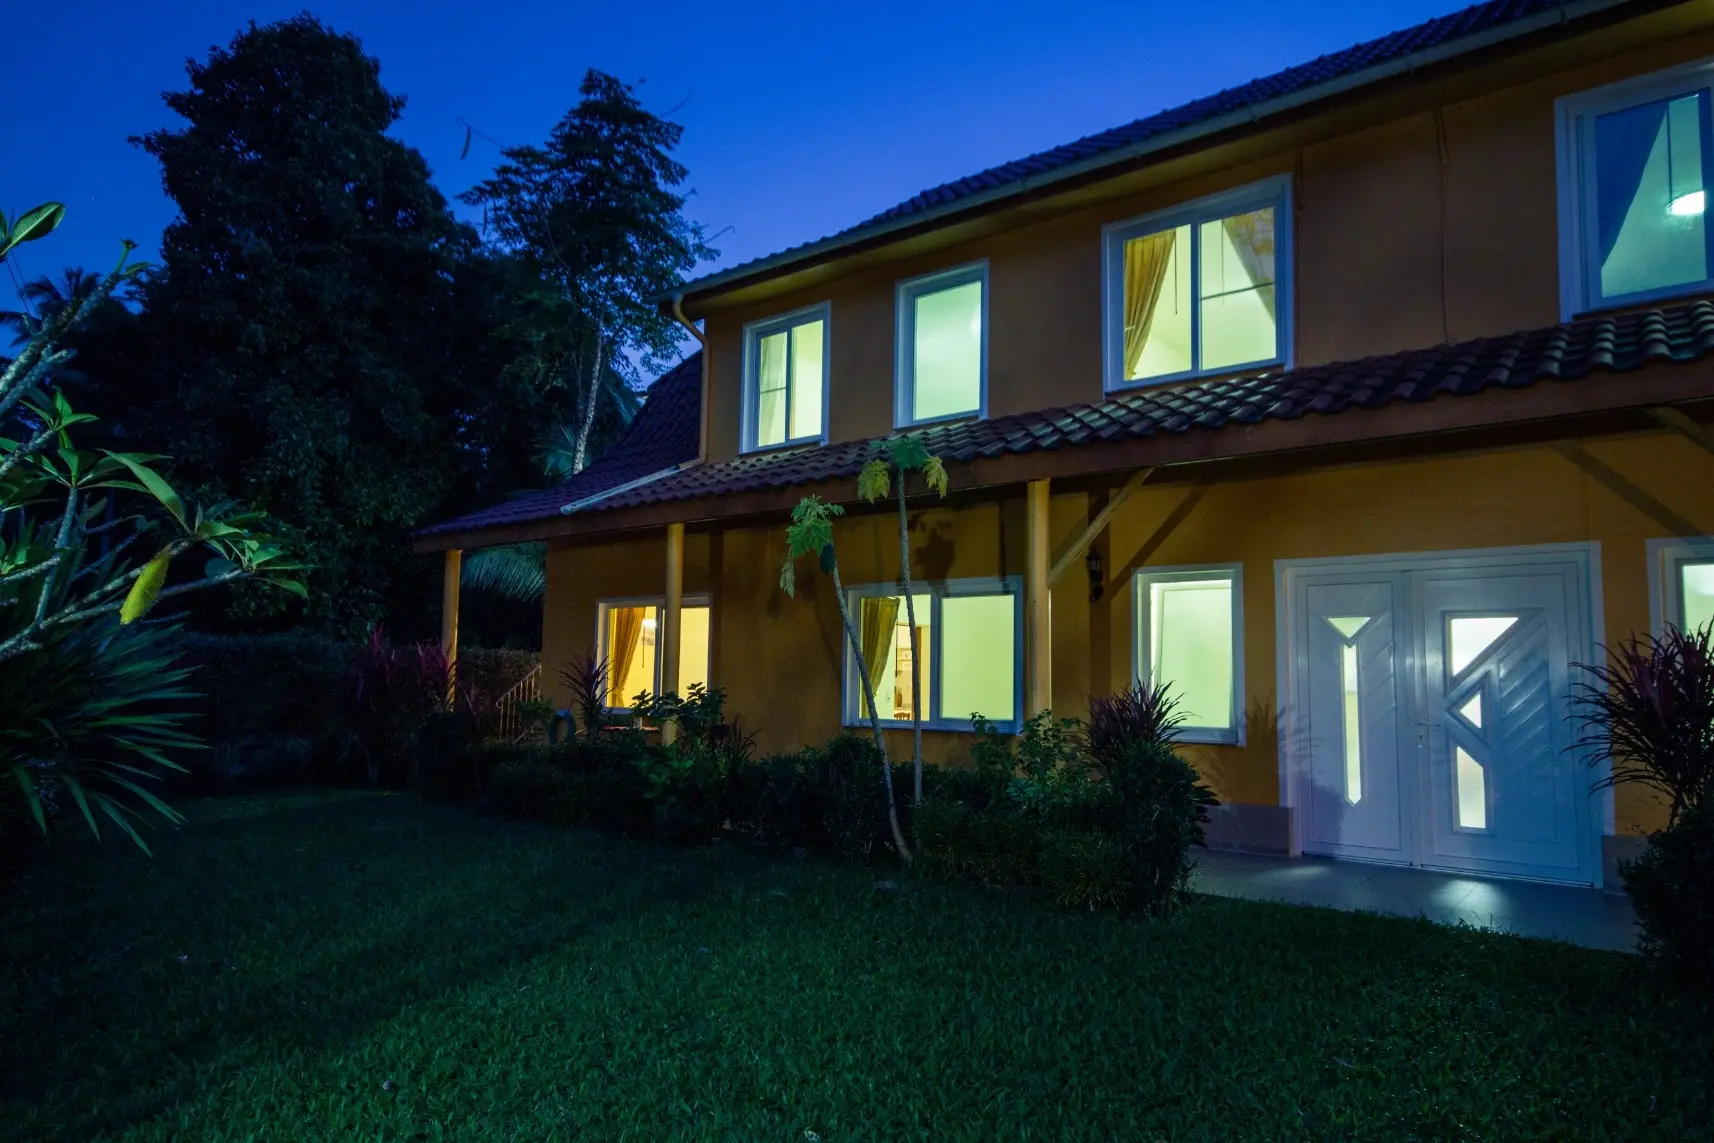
(394,692)
(1649,711)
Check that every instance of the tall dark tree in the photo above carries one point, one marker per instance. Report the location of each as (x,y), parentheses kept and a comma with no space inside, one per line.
(597,214)
(314,327)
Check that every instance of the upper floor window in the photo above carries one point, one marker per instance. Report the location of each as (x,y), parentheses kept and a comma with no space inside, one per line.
(1203,288)
(1634,163)
(785,379)
(943,346)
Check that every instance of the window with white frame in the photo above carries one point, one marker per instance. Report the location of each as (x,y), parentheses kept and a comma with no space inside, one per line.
(1203,288)
(969,637)
(785,379)
(1682,591)
(1189,636)
(626,633)
(1634,163)
(942,366)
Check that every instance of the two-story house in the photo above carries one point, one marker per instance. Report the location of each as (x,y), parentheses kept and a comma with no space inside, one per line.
(1361,402)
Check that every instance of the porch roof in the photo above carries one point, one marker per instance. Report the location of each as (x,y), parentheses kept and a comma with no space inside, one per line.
(1216,418)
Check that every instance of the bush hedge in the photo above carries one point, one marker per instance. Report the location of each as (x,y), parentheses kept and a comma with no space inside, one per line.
(1095,825)
(1672,889)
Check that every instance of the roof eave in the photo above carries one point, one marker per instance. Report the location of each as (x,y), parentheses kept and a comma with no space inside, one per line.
(750,272)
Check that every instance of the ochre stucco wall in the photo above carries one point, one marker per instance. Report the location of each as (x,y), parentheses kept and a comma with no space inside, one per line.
(778,658)
(1438,224)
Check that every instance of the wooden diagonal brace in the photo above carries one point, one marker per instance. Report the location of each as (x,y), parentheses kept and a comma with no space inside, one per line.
(1679,423)
(1074,551)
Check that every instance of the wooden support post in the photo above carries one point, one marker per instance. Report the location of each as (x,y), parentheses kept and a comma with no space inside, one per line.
(450,573)
(1038,633)
(667,637)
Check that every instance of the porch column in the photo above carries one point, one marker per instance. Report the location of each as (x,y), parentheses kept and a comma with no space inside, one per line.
(1038,635)
(449,603)
(667,636)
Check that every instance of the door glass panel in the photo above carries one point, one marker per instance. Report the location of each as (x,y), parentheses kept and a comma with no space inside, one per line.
(1470,635)
(1353,724)
(1698,595)
(1472,792)
(1349,625)
(1472,710)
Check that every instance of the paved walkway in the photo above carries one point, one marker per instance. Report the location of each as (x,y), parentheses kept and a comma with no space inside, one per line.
(1586,917)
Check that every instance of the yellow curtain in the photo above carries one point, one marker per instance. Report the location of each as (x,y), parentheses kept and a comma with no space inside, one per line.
(1146,261)
(1252,237)
(876,618)
(623,638)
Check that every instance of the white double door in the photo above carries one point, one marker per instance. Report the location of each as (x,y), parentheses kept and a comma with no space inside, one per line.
(1427,711)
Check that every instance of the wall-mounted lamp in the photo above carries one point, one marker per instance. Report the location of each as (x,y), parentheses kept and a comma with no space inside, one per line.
(1092,561)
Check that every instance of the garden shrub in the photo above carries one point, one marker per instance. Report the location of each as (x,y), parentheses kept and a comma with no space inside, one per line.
(1084,868)
(1649,714)
(1672,890)
(538,788)
(1161,807)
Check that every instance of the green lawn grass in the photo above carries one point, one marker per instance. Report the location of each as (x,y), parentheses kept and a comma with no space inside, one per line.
(347,966)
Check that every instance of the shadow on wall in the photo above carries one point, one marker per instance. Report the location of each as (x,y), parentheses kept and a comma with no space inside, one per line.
(931,558)
(1247,773)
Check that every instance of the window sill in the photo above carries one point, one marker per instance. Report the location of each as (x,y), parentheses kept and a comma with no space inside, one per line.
(936,422)
(802,442)
(1278,364)
(1703,292)
(942,727)
(1195,737)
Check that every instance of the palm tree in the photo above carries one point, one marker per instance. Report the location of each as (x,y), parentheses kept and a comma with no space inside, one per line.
(44,298)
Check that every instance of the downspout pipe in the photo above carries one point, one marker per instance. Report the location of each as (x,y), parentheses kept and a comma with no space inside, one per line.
(702,340)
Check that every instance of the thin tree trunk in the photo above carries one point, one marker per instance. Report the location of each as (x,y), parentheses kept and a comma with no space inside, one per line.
(916,648)
(581,449)
(874,715)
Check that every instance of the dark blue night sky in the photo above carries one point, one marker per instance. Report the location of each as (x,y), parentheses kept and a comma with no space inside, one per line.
(800,118)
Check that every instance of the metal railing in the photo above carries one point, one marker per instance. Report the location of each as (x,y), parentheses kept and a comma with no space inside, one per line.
(526,689)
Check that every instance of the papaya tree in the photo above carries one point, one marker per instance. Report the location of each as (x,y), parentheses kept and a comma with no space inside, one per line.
(90,541)
(811,534)
(897,456)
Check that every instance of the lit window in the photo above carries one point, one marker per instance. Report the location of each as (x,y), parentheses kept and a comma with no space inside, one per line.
(968,640)
(1189,637)
(1696,594)
(1681,594)
(1634,162)
(1200,289)
(627,632)
(942,360)
(785,376)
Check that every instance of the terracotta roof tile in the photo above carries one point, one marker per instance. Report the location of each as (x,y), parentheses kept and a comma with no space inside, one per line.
(665,432)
